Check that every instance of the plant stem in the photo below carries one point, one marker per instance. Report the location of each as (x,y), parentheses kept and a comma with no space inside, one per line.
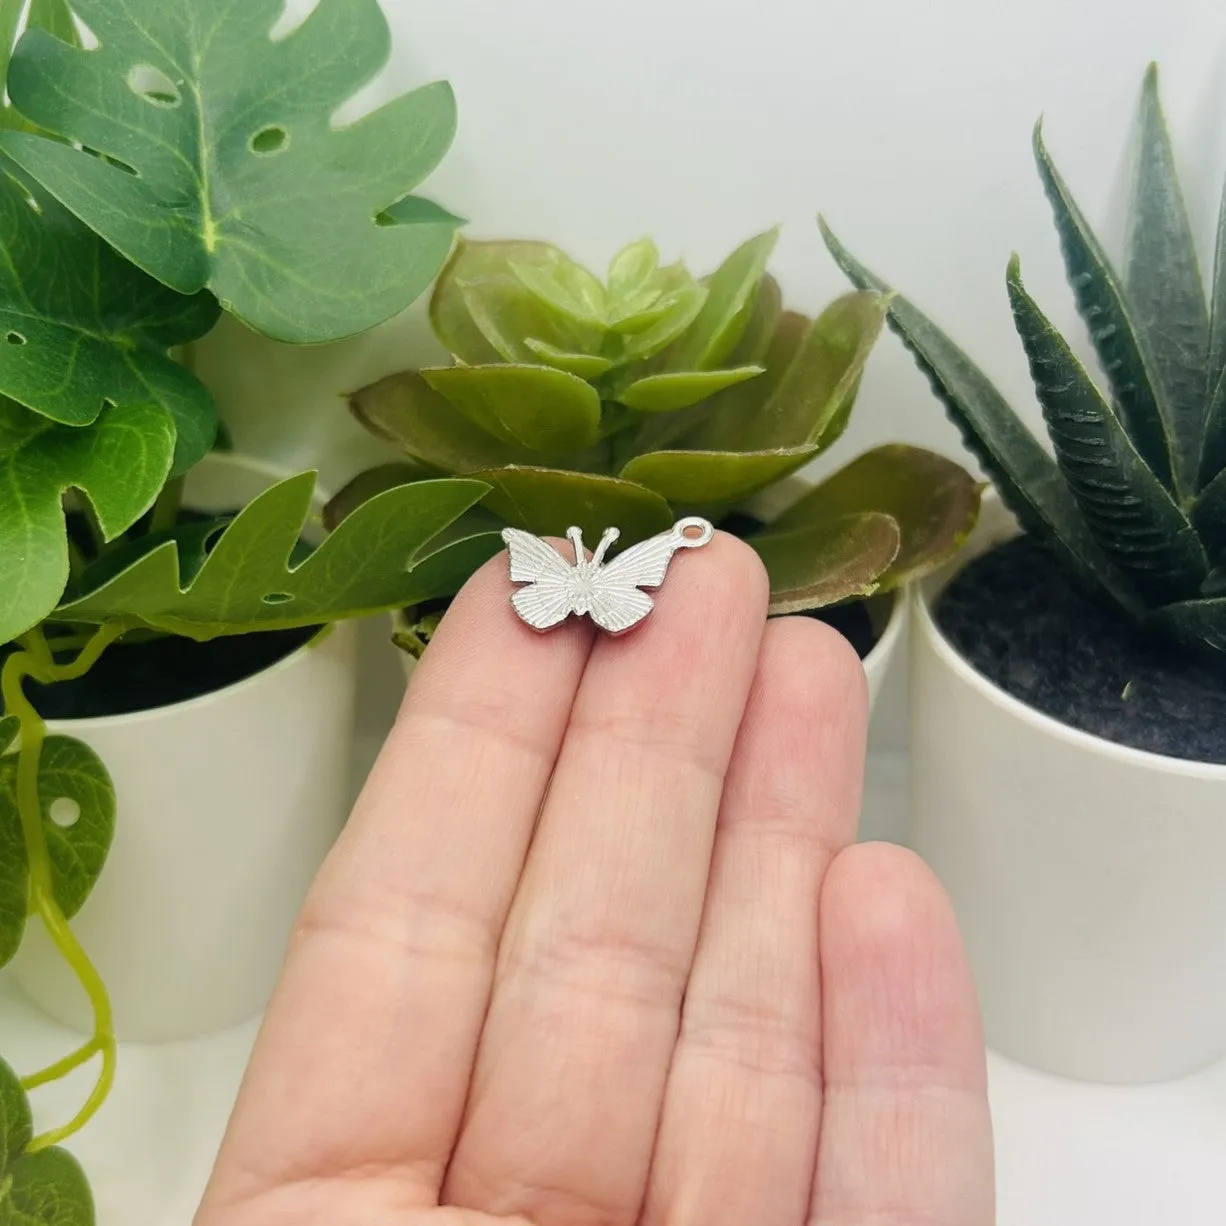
(76,559)
(169,503)
(61,1068)
(96,535)
(36,662)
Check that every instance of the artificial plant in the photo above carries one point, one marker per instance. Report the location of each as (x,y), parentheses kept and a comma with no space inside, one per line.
(651,394)
(1133,502)
(187,164)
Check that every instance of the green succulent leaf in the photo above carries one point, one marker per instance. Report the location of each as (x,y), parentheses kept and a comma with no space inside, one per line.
(709,478)
(651,331)
(630,273)
(731,295)
(933,501)
(585,365)
(81,327)
(536,407)
(120,463)
(813,399)
(667,392)
(1165,292)
(1027,478)
(1199,624)
(46,1188)
(248,581)
(547,501)
(1133,516)
(824,563)
(1209,516)
(67,770)
(231,175)
(403,408)
(564,286)
(752,348)
(16,1122)
(1100,300)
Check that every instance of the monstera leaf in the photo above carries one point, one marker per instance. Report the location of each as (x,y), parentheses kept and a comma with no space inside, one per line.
(245,579)
(119,462)
(43,1188)
(80,327)
(222,167)
(68,771)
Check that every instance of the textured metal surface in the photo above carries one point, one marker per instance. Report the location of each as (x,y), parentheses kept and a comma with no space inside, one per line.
(607,592)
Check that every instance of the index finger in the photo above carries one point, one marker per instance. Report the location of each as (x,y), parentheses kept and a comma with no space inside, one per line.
(363,1061)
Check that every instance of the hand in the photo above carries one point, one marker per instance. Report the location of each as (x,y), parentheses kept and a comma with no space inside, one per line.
(596,949)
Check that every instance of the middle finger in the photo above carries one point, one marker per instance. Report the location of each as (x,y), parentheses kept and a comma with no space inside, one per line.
(595,956)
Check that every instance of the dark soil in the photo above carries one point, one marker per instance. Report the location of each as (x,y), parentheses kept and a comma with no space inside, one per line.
(142,676)
(1020,622)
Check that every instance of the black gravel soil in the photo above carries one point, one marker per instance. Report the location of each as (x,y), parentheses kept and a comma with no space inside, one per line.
(1015,617)
(142,676)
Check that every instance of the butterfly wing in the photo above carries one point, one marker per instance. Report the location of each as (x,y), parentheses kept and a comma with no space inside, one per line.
(615,608)
(546,600)
(642,565)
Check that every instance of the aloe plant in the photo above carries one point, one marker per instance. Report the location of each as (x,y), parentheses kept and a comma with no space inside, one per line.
(145,186)
(1133,502)
(648,395)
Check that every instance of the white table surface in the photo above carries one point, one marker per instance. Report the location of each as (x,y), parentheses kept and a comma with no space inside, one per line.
(1067,1154)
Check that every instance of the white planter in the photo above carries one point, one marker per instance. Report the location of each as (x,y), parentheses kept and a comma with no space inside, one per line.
(1089,878)
(228,804)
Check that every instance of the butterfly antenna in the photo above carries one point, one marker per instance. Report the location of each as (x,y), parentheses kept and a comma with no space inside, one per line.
(610,535)
(576,539)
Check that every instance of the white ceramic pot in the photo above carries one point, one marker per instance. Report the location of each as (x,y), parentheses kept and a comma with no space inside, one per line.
(1089,878)
(227,805)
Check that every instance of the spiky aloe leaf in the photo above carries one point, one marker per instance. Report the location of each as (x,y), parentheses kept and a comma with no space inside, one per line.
(1131,513)
(1209,516)
(1026,477)
(1165,292)
(1213,451)
(1198,624)
(1113,331)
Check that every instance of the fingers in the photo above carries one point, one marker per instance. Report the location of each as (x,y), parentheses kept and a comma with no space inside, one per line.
(740,1121)
(584,1015)
(363,1062)
(906,1134)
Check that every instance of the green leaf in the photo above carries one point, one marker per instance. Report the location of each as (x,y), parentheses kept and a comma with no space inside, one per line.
(731,294)
(1213,452)
(536,407)
(366,485)
(665,393)
(10,726)
(247,583)
(405,409)
(82,328)
(630,271)
(1197,624)
(705,478)
(48,1188)
(10,19)
(825,563)
(547,501)
(1209,516)
(16,1122)
(813,399)
(650,333)
(934,502)
(752,348)
(585,365)
(1139,401)
(241,182)
(1165,292)
(444,571)
(120,463)
(1136,522)
(1026,477)
(67,770)
(566,287)
(55,17)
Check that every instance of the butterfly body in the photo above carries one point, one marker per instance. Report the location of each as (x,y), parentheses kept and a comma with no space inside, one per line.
(607,592)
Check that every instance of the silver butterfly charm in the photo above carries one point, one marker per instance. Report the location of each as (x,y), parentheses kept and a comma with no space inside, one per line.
(607,592)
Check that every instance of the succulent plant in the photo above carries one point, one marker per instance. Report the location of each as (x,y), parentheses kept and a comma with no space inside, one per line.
(1134,500)
(651,395)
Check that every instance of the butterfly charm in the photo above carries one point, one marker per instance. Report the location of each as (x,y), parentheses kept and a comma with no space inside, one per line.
(607,592)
